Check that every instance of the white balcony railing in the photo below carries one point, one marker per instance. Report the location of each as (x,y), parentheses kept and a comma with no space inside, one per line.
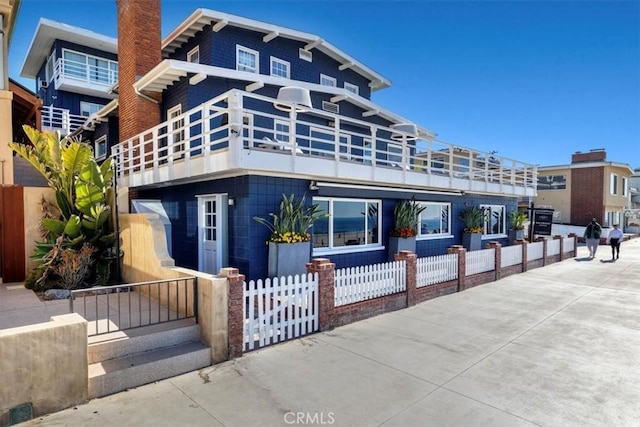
(233,132)
(60,119)
(101,78)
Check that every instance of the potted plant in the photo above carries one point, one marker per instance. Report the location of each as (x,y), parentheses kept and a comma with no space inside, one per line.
(290,240)
(402,236)
(473,218)
(517,220)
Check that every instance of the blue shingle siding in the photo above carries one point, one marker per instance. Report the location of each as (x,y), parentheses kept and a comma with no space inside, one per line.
(219,49)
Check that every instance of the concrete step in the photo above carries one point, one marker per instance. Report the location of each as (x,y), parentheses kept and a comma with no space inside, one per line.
(115,375)
(131,341)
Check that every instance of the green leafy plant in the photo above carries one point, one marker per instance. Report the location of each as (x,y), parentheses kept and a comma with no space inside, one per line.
(292,223)
(473,218)
(517,220)
(84,199)
(406,215)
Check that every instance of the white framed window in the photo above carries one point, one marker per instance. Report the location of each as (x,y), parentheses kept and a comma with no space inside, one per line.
(281,130)
(279,68)
(351,223)
(194,55)
(50,65)
(88,67)
(352,88)
(625,187)
(435,220)
(305,55)
(614,184)
(89,108)
(494,221)
(100,147)
(247,60)
(328,80)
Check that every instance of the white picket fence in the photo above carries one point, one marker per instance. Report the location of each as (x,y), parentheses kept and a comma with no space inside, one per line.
(279,309)
(369,281)
(535,251)
(480,261)
(511,255)
(568,244)
(553,247)
(436,269)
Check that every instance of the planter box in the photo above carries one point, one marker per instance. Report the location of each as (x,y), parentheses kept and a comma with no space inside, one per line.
(397,244)
(472,241)
(288,259)
(515,235)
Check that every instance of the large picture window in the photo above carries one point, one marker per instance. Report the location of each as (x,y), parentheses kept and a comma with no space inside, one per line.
(435,220)
(494,220)
(351,222)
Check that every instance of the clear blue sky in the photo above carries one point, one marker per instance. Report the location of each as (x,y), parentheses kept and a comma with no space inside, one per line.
(536,81)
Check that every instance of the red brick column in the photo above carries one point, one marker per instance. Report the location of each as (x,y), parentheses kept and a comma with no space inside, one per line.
(411,273)
(556,237)
(462,263)
(544,249)
(498,258)
(236,310)
(326,291)
(523,243)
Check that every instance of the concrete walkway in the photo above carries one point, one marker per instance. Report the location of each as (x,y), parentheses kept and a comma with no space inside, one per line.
(556,346)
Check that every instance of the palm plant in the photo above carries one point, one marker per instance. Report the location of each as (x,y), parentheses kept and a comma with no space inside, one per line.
(473,218)
(84,198)
(292,223)
(517,220)
(406,216)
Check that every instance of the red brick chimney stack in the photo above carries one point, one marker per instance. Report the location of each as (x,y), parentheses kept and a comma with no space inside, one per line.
(139,50)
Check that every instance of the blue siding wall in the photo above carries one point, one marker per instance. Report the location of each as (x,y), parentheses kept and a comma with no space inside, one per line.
(219,49)
(261,195)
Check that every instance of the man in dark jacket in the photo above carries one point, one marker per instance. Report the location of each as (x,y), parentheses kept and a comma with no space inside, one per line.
(592,236)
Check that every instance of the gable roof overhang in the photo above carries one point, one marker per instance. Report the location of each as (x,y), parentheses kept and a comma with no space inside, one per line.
(203,17)
(170,71)
(49,31)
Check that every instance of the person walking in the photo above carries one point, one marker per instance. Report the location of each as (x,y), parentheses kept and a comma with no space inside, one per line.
(592,235)
(614,239)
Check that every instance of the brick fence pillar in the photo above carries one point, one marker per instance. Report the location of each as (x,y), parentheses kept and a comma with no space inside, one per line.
(462,263)
(544,249)
(411,274)
(326,291)
(236,310)
(523,244)
(559,237)
(575,245)
(497,259)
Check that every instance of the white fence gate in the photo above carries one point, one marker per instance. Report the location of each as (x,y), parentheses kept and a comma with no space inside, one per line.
(279,309)
(437,269)
(369,281)
(480,261)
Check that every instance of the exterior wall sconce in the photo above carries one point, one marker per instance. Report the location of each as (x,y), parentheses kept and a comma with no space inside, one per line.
(290,97)
(408,130)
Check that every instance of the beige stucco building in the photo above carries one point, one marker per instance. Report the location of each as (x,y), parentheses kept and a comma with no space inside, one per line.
(589,187)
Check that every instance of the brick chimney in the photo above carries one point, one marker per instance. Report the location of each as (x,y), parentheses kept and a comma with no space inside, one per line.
(139,50)
(595,155)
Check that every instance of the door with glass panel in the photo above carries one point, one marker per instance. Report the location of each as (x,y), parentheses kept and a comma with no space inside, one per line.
(212,231)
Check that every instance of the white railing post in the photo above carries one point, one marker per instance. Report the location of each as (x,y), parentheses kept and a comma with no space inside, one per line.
(235,103)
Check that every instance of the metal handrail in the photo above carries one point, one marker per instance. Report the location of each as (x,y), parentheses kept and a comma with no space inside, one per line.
(156,302)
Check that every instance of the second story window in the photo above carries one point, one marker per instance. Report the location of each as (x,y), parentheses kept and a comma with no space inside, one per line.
(50,64)
(328,81)
(194,55)
(247,60)
(89,108)
(279,68)
(614,184)
(625,186)
(352,88)
(100,149)
(89,68)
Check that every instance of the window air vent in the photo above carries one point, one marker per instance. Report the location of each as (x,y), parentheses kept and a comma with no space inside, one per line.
(44,84)
(305,54)
(331,107)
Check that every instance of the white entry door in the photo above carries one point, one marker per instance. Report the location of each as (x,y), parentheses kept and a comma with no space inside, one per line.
(212,231)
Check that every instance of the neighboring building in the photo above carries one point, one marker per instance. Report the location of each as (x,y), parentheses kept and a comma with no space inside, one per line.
(226,114)
(8,13)
(589,187)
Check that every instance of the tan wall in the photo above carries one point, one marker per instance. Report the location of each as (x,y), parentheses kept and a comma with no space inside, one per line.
(32,215)
(615,202)
(146,258)
(560,200)
(44,364)
(6,136)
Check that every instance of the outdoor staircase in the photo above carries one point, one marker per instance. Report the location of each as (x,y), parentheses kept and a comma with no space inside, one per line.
(126,359)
